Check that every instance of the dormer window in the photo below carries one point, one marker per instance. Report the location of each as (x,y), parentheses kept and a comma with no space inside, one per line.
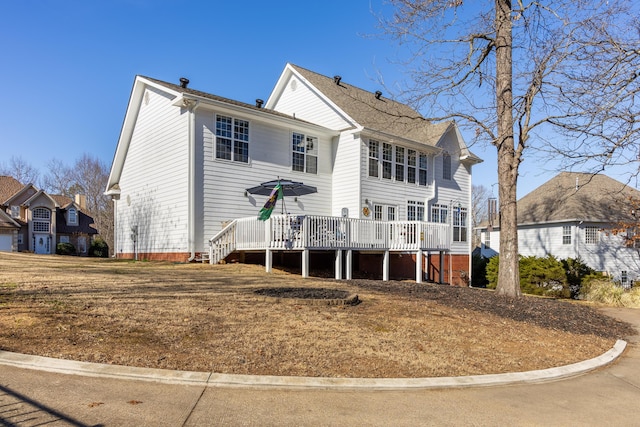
(72,216)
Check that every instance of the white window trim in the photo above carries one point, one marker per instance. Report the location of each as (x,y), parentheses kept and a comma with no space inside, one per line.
(306,153)
(232,138)
(380,161)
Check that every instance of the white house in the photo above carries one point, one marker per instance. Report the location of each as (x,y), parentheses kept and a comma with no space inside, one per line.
(389,183)
(574,215)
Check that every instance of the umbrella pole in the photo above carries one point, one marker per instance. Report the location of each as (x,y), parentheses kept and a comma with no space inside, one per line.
(283,207)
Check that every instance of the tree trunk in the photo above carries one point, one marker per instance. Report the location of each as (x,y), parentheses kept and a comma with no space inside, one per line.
(508,275)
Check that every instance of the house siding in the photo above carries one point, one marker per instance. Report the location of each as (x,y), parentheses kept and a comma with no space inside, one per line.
(154,180)
(304,103)
(224,182)
(346,188)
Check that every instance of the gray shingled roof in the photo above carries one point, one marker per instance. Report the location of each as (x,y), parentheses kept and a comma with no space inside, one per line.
(577,196)
(383,115)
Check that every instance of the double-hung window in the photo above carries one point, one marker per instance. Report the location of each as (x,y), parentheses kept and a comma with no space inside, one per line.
(422,169)
(374,158)
(232,139)
(305,153)
(460,225)
(566,234)
(439,213)
(387,161)
(400,164)
(411,166)
(415,211)
(446,166)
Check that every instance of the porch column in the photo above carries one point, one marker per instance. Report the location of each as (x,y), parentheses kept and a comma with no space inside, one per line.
(441,275)
(419,266)
(268,260)
(385,266)
(338,264)
(349,265)
(305,263)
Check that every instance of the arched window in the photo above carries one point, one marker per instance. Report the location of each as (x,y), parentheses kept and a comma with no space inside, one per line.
(72,216)
(41,220)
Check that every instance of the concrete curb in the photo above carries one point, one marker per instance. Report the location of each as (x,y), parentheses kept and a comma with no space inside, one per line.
(288,382)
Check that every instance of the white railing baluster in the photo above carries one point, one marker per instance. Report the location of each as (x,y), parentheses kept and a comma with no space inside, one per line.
(284,232)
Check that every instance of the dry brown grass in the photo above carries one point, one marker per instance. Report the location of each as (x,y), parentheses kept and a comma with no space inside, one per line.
(208,318)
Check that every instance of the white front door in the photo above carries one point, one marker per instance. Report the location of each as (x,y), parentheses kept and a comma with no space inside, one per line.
(42,244)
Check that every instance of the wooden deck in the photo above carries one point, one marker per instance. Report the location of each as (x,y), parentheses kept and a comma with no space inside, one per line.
(309,232)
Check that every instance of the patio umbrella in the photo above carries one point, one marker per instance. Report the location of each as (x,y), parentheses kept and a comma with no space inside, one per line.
(289,188)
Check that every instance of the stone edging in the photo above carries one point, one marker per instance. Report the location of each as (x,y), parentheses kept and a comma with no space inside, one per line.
(288,382)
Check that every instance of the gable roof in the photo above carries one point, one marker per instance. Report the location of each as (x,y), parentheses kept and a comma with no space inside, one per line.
(9,186)
(376,113)
(7,221)
(577,196)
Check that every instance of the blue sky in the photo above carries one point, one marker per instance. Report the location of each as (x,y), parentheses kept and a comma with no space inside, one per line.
(68,66)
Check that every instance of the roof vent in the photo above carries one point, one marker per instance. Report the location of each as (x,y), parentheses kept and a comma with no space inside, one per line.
(259,103)
(336,80)
(378,94)
(184,82)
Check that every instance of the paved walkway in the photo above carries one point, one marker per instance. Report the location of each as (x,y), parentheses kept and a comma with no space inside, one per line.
(607,396)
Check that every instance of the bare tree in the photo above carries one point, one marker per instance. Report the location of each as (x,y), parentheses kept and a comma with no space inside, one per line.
(58,178)
(89,176)
(558,77)
(18,168)
(480,196)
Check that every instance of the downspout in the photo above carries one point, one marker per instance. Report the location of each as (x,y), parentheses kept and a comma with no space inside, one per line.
(192,178)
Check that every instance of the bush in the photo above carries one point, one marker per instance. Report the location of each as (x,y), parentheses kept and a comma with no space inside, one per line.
(605,291)
(538,276)
(65,249)
(99,248)
(577,273)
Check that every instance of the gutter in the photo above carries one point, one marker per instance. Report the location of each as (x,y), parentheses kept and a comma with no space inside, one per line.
(192,106)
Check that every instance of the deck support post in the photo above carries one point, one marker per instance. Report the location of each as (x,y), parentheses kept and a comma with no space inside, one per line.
(268,260)
(441,275)
(305,263)
(349,264)
(338,264)
(419,266)
(385,266)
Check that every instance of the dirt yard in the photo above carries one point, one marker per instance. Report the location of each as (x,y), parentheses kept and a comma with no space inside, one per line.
(236,318)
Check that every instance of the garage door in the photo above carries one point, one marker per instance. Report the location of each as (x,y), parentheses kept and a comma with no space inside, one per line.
(5,242)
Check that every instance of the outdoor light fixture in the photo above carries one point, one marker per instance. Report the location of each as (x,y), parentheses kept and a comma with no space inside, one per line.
(366,201)
(246,193)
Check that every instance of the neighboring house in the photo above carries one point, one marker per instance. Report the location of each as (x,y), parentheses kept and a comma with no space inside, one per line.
(574,215)
(389,183)
(40,221)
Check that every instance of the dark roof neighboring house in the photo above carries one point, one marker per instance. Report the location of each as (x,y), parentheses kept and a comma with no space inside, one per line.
(8,187)
(85,222)
(577,196)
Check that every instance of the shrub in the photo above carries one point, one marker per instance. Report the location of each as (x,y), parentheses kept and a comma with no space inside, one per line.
(605,291)
(577,273)
(65,249)
(99,248)
(538,276)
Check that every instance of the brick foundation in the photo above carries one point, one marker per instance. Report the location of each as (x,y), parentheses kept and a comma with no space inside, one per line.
(157,256)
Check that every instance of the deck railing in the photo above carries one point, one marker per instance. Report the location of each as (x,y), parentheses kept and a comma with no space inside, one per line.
(291,232)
